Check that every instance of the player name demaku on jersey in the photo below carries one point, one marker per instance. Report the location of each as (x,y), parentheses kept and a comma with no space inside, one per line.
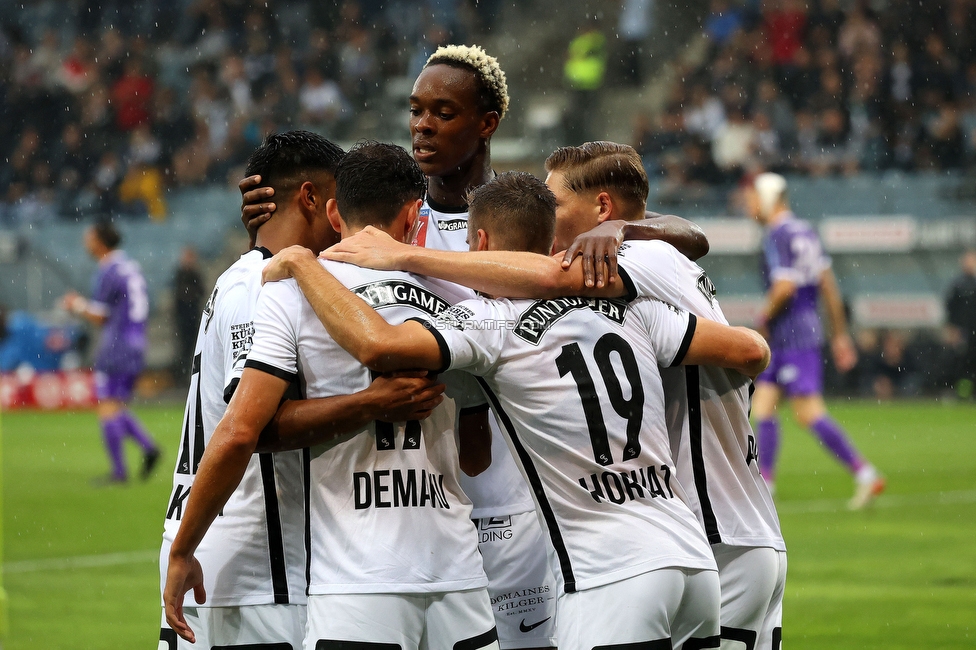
(399,488)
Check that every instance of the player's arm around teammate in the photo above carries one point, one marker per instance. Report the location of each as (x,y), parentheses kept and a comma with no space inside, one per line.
(513,274)
(386,348)
(253,406)
(398,397)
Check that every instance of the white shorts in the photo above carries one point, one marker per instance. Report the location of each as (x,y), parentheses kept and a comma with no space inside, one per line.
(275,627)
(520,583)
(753,581)
(453,620)
(659,609)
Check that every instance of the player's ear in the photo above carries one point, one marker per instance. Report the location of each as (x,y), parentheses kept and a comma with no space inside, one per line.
(482,240)
(308,197)
(605,205)
(413,213)
(489,124)
(332,211)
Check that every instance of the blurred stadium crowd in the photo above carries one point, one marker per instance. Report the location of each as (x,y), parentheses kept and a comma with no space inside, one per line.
(110,104)
(821,87)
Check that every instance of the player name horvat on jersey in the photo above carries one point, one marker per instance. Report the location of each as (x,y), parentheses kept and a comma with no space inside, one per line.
(582,405)
(708,409)
(386,512)
(254,553)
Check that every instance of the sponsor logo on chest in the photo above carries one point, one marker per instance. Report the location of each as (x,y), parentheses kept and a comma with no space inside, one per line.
(535,321)
(452,225)
(387,293)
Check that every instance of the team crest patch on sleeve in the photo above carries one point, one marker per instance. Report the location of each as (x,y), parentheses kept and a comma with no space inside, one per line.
(387,293)
(454,318)
(707,288)
(535,321)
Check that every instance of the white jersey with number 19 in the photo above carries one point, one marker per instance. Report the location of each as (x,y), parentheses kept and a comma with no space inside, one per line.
(576,385)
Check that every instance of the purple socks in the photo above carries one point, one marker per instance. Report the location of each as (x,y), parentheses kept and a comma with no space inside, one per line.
(768,432)
(134,429)
(833,438)
(114,431)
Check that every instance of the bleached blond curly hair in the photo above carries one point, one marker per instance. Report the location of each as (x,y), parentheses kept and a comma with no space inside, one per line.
(483,65)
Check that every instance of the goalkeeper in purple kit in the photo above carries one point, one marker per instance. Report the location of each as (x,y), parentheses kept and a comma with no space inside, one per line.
(797,273)
(120,307)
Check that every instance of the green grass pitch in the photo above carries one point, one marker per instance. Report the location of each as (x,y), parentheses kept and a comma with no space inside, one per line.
(80,565)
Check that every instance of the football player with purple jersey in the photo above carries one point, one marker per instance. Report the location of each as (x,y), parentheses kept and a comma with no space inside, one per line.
(120,306)
(796,273)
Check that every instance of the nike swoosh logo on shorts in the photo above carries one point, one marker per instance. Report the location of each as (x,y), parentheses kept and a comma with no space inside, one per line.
(528,628)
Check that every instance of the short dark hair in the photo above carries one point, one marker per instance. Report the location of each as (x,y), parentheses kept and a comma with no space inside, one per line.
(107,234)
(603,166)
(374,181)
(517,209)
(285,160)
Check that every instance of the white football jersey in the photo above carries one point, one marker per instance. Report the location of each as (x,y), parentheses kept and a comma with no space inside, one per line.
(500,490)
(576,385)
(386,512)
(254,553)
(708,409)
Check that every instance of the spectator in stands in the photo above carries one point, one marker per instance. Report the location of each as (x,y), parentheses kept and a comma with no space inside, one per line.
(633,29)
(830,151)
(132,95)
(735,143)
(723,21)
(767,147)
(937,68)
(655,139)
(105,184)
(77,70)
(141,188)
(705,116)
(321,100)
(895,373)
(583,73)
(859,35)
(234,78)
(188,296)
(770,101)
(96,118)
(961,322)
(171,124)
(785,23)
